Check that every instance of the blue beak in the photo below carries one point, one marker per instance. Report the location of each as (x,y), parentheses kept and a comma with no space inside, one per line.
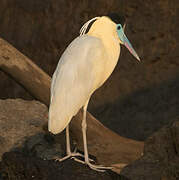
(126,42)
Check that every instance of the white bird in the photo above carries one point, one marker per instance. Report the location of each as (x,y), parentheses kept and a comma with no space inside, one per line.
(84,66)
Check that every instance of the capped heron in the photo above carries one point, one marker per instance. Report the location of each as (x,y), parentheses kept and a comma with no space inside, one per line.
(84,66)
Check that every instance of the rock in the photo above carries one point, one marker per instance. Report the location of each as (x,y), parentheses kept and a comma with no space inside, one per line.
(30,148)
(17,166)
(159,162)
(160,159)
(21,129)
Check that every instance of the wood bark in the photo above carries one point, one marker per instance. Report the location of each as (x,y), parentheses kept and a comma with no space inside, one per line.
(25,72)
(109,147)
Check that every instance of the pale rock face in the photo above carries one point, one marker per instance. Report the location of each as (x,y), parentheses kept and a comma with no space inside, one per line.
(21,126)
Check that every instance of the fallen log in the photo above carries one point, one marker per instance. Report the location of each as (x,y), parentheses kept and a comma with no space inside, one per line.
(25,72)
(106,145)
(109,147)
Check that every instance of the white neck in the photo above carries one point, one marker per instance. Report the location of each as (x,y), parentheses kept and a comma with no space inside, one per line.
(105,30)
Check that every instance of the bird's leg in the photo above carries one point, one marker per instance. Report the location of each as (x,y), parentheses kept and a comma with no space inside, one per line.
(84,126)
(68,149)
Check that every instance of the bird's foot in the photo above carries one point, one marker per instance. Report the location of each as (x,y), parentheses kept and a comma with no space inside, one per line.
(74,156)
(62,159)
(99,168)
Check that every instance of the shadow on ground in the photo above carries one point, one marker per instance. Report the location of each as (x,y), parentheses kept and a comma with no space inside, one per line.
(142,113)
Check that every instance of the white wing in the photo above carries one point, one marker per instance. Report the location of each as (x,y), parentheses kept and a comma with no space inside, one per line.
(75,79)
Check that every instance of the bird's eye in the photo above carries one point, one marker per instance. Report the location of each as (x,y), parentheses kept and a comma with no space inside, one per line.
(118,27)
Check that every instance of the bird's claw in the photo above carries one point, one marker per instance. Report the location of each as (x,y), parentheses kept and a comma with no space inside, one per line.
(98,168)
(74,156)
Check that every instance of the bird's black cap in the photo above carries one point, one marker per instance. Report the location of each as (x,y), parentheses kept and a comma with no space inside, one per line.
(118,18)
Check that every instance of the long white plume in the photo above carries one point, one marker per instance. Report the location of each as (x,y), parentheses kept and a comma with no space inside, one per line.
(85,26)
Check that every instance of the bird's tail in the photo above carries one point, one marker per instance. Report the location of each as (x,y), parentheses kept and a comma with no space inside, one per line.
(58,121)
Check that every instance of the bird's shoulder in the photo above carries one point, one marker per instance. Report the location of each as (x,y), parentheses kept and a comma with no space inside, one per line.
(80,51)
(88,39)
(85,42)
